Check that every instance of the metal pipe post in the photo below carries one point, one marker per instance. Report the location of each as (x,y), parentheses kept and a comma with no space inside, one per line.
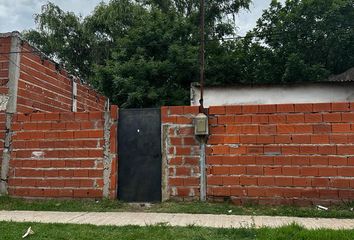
(202,172)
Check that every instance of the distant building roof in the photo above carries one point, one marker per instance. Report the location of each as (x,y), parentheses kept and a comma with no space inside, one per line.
(347,76)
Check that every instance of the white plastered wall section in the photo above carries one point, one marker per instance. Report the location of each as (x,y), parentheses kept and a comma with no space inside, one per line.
(304,93)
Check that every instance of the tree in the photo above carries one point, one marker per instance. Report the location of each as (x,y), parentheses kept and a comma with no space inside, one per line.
(139,53)
(61,36)
(308,39)
(144,53)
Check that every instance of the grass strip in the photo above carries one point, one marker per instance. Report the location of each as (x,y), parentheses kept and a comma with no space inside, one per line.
(12,230)
(339,211)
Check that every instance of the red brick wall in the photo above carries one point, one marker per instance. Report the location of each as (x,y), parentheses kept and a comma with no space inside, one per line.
(5,44)
(4,78)
(44,88)
(269,154)
(58,155)
(72,148)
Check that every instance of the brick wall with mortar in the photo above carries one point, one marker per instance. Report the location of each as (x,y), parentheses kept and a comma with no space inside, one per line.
(291,153)
(30,82)
(110,153)
(42,87)
(63,155)
(181,152)
(269,154)
(5,43)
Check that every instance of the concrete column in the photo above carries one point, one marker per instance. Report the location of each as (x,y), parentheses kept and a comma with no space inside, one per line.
(108,158)
(14,75)
(14,72)
(74,96)
(164,164)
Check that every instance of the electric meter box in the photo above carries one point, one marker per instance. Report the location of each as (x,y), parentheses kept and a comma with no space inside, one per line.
(201,126)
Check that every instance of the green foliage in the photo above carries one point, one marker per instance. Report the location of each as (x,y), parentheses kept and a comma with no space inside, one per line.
(144,53)
(61,36)
(311,38)
(139,53)
(152,64)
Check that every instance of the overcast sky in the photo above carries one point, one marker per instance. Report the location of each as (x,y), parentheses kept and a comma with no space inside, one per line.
(18,14)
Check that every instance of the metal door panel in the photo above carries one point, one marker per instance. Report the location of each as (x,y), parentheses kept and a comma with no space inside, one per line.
(139,150)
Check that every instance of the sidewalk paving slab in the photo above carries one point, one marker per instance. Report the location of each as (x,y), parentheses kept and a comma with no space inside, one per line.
(171,219)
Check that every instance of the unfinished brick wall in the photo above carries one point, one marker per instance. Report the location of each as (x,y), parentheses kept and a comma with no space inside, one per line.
(5,44)
(45,88)
(182,152)
(270,154)
(4,78)
(61,155)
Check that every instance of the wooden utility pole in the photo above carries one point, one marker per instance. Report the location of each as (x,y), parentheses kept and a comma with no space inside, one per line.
(202,54)
(202,139)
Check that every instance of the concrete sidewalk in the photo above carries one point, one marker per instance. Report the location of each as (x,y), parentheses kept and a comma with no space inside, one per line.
(143,219)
